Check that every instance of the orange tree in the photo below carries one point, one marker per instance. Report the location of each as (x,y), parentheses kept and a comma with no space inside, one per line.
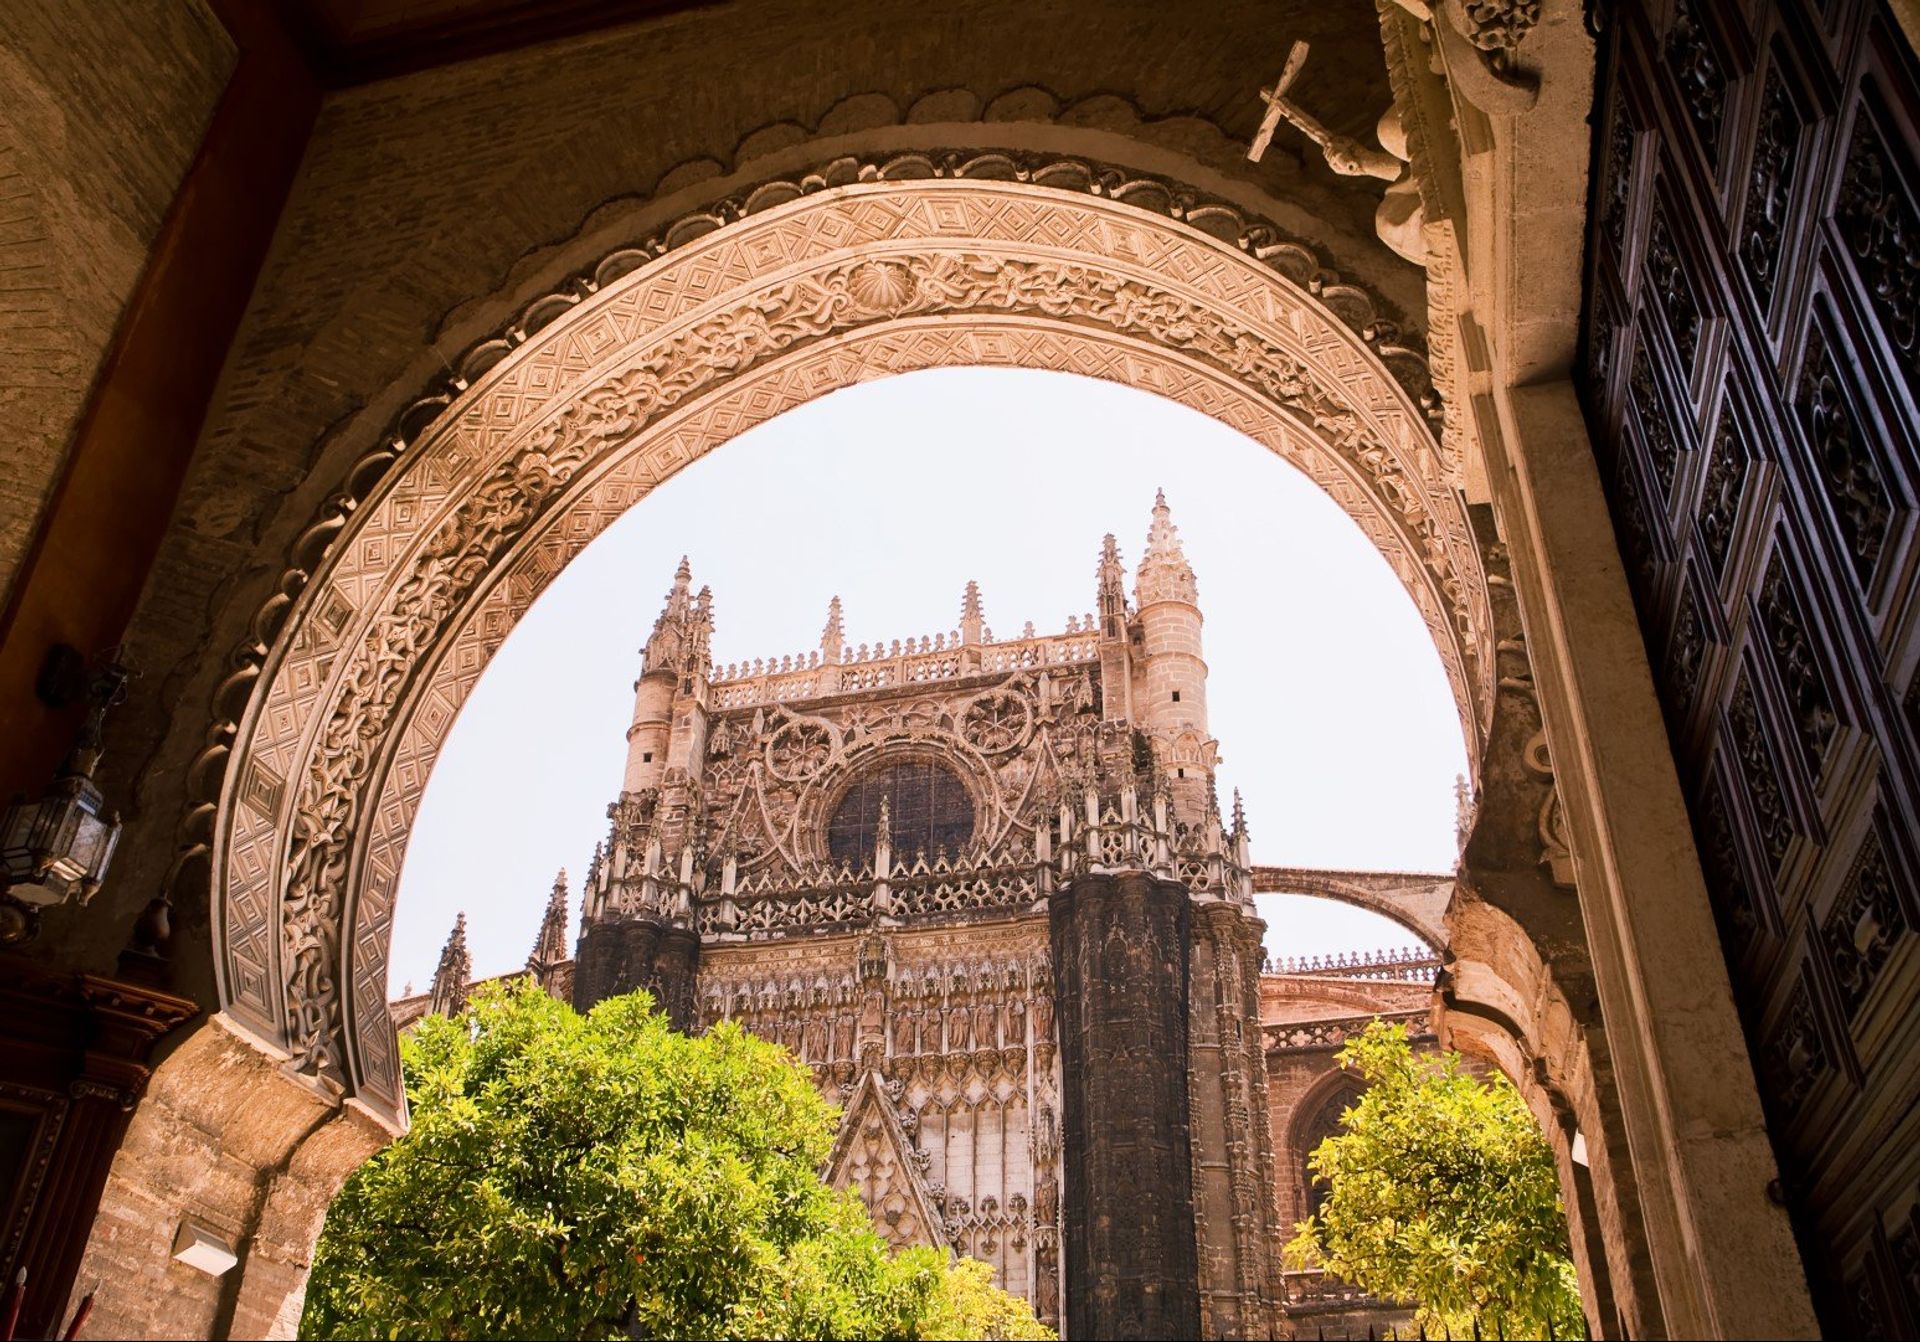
(1441,1193)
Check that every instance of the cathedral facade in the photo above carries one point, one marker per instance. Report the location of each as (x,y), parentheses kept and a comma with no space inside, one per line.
(983,889)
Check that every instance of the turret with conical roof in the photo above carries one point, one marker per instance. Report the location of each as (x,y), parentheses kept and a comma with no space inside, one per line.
(674,666)
(1170,675)
(637,913)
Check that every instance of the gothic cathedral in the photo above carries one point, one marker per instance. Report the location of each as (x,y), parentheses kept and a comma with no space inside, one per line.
(1075,1090)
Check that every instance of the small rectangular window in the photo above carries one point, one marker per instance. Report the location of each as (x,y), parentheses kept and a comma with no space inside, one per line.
(1176,696)
(646,757)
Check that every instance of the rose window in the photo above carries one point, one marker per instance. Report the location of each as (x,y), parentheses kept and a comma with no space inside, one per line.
(928,810)
(995,722)
(798,751)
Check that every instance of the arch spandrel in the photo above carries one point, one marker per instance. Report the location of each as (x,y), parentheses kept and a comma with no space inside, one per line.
(651,372)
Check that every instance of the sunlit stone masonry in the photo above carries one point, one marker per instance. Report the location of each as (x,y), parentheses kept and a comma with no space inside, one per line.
(983,888)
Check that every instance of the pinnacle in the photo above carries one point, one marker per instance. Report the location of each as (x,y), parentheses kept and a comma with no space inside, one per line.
(833,637)
(684,574)
(1164,570)
(970,602)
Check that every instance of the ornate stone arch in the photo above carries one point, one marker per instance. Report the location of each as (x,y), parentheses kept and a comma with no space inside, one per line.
(403,589)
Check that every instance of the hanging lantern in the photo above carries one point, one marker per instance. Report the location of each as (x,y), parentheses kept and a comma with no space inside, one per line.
(55,849)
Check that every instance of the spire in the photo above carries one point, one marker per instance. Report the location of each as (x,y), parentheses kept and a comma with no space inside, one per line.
(1239,814)
(972,625)
(670,641)
(550,945)
(833,639)
(448,994)
(1164,572)
(700,632)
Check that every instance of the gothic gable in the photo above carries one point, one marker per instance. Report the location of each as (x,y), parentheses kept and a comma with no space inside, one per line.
(875,1158)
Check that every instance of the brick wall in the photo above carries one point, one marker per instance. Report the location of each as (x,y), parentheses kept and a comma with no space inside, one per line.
(105,103)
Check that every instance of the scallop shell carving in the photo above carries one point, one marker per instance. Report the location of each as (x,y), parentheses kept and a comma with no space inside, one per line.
(880,286)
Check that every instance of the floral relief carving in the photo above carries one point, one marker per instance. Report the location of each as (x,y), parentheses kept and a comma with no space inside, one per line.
(1721,493)
(1845,457)
(1864,925)
(1794,658)
(1763,782)
(1656,420)
(1621,138)
(1687,652)
(1699,74)
(1881,226)
(1498,27)
(1795,1055)
(1667,283)
(1769,181)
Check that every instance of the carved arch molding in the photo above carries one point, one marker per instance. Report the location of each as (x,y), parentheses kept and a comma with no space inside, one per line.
(397,597)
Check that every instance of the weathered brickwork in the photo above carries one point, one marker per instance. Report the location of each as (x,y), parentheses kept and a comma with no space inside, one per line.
(104,107)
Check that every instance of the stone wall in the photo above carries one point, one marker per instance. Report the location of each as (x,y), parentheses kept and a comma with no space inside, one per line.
(105,105)
(618,958)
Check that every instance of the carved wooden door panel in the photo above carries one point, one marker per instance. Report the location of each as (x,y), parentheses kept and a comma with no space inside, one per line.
(1751,373)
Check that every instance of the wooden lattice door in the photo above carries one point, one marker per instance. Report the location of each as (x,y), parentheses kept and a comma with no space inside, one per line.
(1752,373)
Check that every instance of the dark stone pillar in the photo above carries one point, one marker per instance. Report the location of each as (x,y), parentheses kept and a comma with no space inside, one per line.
(618,958)
(1120,946)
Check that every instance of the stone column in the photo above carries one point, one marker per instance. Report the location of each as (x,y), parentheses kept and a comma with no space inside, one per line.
(1233,1170)
(228,1141)
(1120,946)
(618,958)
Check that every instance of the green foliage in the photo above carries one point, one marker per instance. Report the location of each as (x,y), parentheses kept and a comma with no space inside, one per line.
(1442,1193)
(600,1176)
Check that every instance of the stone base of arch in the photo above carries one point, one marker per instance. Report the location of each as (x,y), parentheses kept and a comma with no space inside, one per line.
(228,1142)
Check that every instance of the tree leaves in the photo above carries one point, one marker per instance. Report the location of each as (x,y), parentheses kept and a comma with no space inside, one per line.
(601,1176)
(1442,1193)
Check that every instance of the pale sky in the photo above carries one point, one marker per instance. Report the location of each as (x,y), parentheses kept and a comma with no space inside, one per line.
(1333,714)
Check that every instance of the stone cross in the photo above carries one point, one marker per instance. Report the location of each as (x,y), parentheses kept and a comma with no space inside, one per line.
(1344,154)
